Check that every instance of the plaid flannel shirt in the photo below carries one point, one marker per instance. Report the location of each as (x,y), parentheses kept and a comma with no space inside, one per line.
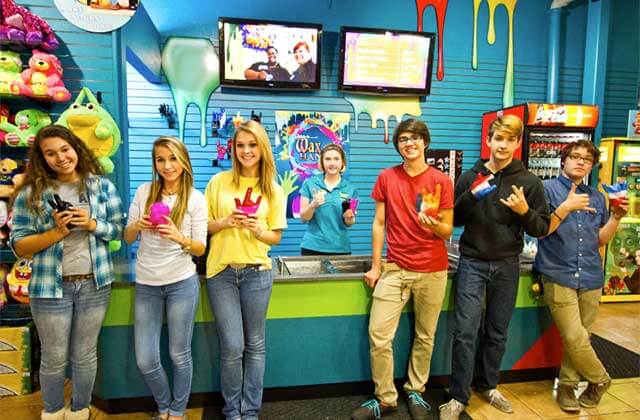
(105,207)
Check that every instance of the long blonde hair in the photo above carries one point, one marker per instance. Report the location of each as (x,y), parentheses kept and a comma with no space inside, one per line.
(185,185)
(267,169)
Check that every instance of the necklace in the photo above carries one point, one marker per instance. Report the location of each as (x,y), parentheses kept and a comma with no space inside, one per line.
(165,192)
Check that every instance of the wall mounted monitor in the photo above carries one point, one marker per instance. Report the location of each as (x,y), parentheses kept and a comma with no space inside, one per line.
(385,62)
(261,54)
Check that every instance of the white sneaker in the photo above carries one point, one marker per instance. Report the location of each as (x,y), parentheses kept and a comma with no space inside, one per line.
(451,410)
(496,399)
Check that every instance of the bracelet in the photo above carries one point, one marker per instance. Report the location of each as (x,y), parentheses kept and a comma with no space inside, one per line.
(557,215)
(259,234)
(184,246)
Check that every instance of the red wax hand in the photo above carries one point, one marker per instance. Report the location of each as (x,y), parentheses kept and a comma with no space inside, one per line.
(247,206)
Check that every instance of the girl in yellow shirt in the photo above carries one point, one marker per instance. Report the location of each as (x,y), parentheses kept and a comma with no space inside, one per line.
(247,213)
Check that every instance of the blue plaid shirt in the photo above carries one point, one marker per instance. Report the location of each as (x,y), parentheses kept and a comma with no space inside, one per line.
(570,256)
(105,208)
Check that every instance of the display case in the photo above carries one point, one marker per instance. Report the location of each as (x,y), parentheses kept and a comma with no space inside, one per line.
(620,161)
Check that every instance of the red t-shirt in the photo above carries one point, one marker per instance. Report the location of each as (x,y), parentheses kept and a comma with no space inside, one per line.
(410,245)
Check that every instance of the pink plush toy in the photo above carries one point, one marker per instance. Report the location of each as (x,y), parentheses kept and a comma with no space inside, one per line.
(157,213)
(247,206)
(43,78)
(19,25)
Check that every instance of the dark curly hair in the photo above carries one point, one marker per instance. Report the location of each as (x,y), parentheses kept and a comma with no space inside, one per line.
(591,149)
(40,176)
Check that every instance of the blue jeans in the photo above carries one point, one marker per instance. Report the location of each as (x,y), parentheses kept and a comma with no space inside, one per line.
(475,279)
(239,300)
(68,328)
(180,300)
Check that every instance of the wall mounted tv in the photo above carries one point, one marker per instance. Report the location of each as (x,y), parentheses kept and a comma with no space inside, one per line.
(385,62)
(269,54)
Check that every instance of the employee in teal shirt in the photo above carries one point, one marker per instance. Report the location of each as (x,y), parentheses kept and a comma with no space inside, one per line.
(325,204)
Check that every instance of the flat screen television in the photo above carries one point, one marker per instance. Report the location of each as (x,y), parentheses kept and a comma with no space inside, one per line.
(385,62)
(269,54)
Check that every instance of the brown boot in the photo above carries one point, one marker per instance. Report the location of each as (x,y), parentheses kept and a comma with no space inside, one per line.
(567,398)
(593,394)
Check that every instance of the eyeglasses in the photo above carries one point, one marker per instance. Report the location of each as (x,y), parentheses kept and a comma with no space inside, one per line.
(576,157)
(406,139)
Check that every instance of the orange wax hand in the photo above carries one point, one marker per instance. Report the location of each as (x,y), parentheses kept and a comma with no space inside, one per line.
(429,203)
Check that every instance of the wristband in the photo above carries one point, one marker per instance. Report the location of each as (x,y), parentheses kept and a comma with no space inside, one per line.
(557,215)
(186,246)
(259,234)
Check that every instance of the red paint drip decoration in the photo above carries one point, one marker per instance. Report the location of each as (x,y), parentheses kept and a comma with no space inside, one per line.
(440,7)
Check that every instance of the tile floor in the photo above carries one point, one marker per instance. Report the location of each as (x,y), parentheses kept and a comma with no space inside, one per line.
(617,322)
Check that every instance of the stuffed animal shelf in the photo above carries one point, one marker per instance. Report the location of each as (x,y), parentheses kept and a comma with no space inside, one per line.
(28,123)
(10,68)
(20,27)
(43,78)
(94,126)
(11,176)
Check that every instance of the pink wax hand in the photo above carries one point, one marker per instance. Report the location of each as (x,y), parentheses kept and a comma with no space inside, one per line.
(157,212)
(353,205)
(247,206)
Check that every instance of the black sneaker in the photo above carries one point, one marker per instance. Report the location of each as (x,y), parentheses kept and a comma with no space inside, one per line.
(371,410)
(418,407)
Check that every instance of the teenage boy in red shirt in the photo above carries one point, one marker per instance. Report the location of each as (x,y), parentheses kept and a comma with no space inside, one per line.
(414,207)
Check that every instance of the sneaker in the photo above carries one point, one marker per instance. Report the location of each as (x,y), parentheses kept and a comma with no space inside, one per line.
(567,398)
(418,407)
(593,394)
(496,399)
(451,410)
(372,409)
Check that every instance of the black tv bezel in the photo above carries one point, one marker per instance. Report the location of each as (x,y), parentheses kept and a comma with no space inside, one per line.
(262,84)
(384,90)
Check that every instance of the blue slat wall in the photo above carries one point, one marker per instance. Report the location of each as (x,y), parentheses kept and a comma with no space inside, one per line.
(452,112)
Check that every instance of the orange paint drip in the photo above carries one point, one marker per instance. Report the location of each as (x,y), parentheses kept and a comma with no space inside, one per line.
(440,7)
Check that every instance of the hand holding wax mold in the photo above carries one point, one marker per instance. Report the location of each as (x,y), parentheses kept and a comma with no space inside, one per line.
(247,206)
(157,212)
(428,204)
(616,193)
(481,186)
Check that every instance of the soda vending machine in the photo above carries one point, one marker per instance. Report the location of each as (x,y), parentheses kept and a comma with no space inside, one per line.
(547,128)
(620,161)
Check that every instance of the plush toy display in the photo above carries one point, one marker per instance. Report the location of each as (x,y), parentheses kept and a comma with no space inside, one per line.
(4,271)
(157,213)
(18,280)
(43,78)
(4,227)
(18,26)
(10,176)
(4,118)
(27,124)
(10,68)
(94,126)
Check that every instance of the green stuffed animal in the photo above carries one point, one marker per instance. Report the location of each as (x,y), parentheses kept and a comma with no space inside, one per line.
(10,68)
(28,123)
(94,126)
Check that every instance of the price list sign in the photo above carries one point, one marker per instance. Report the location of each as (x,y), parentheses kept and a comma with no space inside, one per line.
(393,60)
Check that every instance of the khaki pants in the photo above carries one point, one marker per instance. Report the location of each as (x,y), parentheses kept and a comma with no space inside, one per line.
(574,312)
(391,294)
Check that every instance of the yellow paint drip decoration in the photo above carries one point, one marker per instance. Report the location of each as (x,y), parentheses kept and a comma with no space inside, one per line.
(510,5)
(382,108)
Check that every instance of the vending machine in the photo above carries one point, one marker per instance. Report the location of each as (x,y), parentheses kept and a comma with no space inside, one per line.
(620,161)
(547,128)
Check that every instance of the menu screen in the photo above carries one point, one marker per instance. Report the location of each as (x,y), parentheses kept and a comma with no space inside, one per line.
(387,60)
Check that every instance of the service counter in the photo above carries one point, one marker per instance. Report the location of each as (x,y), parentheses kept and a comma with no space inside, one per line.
(316,335)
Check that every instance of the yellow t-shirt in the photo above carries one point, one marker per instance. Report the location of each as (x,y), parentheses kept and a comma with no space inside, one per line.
(239,245)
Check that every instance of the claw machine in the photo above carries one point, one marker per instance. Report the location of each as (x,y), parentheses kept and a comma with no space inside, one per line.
(620,161)
(547,128)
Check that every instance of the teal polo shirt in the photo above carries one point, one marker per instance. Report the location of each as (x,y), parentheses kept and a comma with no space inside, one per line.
(326,231)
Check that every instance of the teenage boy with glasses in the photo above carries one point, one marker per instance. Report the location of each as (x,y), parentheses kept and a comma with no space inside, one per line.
(414,207)
(496,202)
(569,260)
